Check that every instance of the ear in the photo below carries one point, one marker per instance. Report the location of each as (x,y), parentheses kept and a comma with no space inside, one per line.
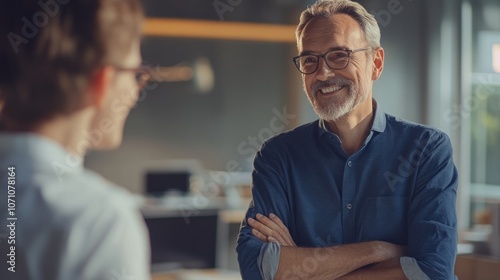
(99,85)
(378,63)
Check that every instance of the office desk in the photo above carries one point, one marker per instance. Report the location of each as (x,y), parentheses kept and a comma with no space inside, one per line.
(477,267)
(205,274)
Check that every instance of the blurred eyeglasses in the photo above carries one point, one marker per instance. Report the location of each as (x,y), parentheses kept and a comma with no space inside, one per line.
(143,74)
(335,59)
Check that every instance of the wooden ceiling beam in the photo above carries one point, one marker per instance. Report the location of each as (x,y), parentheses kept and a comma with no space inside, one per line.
(205,29)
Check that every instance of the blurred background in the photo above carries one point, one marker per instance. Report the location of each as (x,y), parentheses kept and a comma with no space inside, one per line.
(230,84)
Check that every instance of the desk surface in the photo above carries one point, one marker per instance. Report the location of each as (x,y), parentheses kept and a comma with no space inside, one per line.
(204,274)
(232,216)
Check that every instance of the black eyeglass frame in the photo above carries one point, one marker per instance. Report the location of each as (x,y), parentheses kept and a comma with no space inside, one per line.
(319,56)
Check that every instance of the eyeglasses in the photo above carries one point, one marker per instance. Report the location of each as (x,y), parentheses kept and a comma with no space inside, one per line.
(335,59)
(143,74)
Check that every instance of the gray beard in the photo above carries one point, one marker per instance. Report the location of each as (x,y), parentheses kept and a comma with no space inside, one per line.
(336,107)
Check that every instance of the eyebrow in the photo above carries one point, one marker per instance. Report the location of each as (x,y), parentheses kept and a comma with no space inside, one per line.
(330,49)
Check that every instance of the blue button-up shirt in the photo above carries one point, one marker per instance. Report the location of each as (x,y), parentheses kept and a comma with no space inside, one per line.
(399,187)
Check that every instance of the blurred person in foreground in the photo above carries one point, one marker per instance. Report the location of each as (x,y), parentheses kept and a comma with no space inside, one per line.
(357,194)
(70,71)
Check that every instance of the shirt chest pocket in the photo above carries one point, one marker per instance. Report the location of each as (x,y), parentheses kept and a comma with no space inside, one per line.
(383,218)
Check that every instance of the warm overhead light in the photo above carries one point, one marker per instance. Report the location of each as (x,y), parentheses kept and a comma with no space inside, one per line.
(199,71)
(496,58)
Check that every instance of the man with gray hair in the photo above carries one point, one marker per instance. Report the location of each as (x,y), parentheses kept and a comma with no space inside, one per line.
(357,194)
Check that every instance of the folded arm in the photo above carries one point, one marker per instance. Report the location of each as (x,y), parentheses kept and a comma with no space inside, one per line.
(386,270)
(330,262)
(335,262)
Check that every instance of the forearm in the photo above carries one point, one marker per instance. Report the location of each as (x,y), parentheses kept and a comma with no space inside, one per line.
(332,262)
(386,270)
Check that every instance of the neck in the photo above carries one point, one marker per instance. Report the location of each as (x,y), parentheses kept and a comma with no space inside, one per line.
(69,131)
(354,127)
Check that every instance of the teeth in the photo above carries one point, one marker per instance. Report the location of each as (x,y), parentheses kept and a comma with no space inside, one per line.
(331,89)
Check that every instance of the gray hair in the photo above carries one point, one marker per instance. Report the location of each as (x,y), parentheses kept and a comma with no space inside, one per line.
(327,8)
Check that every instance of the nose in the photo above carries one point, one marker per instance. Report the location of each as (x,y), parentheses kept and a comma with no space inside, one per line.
(324,72)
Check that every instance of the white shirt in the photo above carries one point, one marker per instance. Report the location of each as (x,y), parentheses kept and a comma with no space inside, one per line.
(71,223)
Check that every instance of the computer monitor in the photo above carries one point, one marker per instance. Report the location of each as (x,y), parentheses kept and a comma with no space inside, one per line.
(165,176)
(180,241)
(159,183)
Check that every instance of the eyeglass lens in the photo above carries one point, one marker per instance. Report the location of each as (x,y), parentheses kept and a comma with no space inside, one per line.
(337,59)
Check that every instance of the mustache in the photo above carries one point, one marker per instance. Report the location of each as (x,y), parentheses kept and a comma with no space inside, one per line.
(338,81)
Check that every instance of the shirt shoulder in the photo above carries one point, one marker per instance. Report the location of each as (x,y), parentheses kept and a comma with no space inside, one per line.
(296,137)
(80,193)
(411,131)
(88,228)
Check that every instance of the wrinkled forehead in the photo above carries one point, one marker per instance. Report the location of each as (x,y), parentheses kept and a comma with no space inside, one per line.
(323,33)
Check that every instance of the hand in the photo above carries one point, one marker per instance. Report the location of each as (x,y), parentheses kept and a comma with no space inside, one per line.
(271,229)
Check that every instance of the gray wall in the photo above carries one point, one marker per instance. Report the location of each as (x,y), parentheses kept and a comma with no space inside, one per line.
(175,121)
(401,89)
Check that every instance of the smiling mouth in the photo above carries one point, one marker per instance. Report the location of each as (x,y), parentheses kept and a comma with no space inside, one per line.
(331,89)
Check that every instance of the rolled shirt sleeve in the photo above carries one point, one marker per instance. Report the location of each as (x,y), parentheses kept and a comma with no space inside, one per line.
(268,260)
(411,269)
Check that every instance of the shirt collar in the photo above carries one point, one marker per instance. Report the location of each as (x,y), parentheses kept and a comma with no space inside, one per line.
(29,149)
(379,121)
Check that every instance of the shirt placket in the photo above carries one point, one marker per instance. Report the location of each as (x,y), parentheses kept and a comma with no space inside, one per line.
(348,195)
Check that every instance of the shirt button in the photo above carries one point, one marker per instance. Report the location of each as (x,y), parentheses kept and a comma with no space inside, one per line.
(349,206)
(349,163)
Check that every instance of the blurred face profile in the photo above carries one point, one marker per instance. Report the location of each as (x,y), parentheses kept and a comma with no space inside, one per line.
(122,94)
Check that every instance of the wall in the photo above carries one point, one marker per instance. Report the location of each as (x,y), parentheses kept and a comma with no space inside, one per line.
(177,122)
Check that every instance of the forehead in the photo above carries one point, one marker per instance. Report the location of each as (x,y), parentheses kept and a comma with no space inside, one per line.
(323,33)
